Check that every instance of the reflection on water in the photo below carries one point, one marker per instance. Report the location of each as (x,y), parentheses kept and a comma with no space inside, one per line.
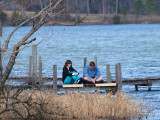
(136,47)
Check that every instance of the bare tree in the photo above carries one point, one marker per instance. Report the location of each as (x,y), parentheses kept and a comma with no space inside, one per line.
(38,20)
(47,15)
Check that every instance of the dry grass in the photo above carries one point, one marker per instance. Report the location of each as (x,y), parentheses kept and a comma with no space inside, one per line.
(45,105)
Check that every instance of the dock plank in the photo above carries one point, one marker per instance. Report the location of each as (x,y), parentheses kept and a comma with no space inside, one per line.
(72,85)
(105,84)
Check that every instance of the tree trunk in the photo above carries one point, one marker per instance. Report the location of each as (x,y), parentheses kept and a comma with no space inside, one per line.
(104,10)
(67,6)
(41,4)
(131,4)
(9,68)
(117,6)
(0,51)
(109,12)
(76,6)
(88,10)
(151,16)
(140,16)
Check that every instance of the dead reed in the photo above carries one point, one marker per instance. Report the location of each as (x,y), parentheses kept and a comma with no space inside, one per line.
(35,104)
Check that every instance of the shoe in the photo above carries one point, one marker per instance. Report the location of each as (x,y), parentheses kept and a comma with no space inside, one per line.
(78,81)
(101,81)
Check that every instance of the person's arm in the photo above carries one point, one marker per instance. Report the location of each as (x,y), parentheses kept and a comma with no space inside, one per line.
(97,73)
(72,69)
(66,72)
(86,73)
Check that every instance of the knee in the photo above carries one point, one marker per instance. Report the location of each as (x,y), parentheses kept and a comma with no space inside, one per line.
(100,78)
(85,78)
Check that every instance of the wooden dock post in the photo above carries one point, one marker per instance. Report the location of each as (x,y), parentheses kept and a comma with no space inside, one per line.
(109,80)
(85,62)
(30,66)
(40,70)
(1,70)
(34,58)
(95,60)
(136,87)
(30,70)
(55,79)
(149,85)
(118,76)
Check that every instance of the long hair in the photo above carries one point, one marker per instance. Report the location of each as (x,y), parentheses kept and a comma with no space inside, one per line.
(67,62)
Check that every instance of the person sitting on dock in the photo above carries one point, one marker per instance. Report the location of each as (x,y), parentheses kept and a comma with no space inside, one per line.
(70,75)
(91,74)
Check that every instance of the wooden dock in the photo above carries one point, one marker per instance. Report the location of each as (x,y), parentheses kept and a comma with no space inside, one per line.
(108,85)
(148,81)
(59,86)
(32,80)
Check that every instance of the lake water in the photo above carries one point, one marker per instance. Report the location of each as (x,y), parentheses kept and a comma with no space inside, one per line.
(136,47)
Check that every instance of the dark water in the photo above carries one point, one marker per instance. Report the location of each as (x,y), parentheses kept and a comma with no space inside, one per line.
(136,47)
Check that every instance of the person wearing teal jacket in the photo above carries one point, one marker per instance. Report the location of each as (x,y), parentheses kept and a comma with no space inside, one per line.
(70,75)
(92,74)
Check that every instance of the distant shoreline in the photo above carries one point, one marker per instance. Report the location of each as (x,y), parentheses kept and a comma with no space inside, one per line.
(90,19)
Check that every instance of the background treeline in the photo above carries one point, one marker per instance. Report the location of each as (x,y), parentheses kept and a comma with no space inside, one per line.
(112,11)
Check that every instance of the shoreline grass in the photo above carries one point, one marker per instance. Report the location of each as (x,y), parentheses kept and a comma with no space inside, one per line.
(36,105)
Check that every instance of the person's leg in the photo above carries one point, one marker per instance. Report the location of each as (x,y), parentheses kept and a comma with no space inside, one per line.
(81,81)
(68,80)
(99,80)
(86,80)
(75,77)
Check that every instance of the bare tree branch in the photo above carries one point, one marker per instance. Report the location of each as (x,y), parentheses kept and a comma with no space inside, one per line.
(29,41)
(32,18)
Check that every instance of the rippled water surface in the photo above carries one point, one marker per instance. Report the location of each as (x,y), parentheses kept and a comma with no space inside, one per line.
(136,47)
